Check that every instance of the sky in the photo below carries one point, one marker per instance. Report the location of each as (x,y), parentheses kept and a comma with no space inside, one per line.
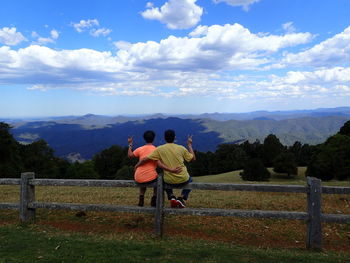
(113,57)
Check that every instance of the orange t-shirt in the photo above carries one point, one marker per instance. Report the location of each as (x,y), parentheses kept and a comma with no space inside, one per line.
(146,172)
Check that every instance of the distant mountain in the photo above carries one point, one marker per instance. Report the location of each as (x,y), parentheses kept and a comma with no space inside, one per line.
(274,115)
(99,121)
(79,137)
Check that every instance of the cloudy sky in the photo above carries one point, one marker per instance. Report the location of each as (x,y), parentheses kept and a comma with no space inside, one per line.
(113,57)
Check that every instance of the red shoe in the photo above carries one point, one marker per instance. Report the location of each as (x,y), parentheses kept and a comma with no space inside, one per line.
(181,203)
(174,203)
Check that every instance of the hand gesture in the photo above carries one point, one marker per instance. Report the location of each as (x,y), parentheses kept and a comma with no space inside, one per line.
(189,139)
(130,140)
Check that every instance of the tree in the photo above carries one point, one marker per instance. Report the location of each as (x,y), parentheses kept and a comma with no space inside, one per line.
(125,173)
(201,166)
(38,157)
(272,147)
(302,153)
(229,157)
(10,159)
(285,163)
(253,150)
(83,170)
(332,159)
(109,161)
(345,129)
(254,170)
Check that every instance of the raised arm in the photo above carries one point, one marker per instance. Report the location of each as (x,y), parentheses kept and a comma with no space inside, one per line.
(189,145)
(130,142)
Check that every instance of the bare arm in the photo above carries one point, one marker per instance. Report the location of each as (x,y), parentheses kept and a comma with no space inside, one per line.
(189,145)
(141,162)
(130,142)
(176,170)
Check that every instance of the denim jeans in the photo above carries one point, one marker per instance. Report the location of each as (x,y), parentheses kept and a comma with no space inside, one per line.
(184,192)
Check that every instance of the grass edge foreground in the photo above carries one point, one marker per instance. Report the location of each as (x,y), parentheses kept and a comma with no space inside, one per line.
(27,243)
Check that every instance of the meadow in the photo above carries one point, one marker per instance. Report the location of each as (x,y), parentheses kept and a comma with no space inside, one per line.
(217,239)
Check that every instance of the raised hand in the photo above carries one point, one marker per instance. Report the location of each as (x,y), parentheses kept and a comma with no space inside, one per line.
(130,140)
(189,139)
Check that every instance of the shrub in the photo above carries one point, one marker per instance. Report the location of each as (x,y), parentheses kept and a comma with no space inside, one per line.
(285,163)
(125,173)
(254,170)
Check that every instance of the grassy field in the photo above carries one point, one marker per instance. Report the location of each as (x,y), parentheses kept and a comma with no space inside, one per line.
(31,244)
(218,239)
(276,178)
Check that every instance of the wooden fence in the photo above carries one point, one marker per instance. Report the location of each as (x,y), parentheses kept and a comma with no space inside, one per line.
(313,216)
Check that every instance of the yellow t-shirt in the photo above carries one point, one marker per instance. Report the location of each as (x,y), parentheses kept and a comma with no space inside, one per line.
(173,155)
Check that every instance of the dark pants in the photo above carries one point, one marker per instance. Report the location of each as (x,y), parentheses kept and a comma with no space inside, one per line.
(184,192)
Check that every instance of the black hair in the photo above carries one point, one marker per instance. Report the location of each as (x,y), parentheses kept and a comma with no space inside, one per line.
(149,136)
(169,136)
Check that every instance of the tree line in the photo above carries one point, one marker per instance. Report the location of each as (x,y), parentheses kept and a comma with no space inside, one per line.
(327,161)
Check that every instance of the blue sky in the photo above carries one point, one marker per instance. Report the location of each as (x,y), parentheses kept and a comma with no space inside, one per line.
(112,57)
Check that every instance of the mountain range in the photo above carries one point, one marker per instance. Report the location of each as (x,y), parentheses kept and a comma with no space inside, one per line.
(84,136)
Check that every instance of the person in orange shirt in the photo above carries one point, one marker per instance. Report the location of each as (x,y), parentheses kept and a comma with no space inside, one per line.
(147,173)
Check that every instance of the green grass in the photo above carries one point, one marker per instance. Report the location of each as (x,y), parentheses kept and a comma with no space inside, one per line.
(60,236)
(27,244)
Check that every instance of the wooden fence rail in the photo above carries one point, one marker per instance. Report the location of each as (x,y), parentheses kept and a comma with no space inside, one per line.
(313,216)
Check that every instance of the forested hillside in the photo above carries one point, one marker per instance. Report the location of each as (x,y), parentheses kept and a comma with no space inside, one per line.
(329,160)
(208,134)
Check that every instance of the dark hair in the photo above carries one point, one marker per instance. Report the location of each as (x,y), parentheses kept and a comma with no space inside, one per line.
(169,136)
(149,136)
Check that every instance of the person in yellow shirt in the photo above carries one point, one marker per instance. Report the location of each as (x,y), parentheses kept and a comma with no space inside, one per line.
(173,155)
(147,173)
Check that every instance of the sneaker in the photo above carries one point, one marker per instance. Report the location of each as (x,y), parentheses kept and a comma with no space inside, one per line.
(181,202)
(154,201)
(141,200)
(174,203)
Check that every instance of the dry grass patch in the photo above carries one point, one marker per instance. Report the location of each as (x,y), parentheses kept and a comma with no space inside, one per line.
(266,233)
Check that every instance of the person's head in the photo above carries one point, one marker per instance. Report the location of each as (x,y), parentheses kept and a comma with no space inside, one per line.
(169,136)
(149,136)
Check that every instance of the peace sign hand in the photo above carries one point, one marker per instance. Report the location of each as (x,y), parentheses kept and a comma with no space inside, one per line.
(130,140)
(189,139)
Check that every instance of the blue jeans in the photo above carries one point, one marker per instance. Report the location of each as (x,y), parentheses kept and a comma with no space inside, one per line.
(184,192)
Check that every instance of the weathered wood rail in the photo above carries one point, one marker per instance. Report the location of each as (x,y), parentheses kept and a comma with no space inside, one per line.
(313,216)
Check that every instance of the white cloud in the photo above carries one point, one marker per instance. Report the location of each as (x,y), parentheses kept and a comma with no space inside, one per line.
(149,5)
(10,36)
(45,40)
(92,25)
(333,51)
(187,66)
(35,34)
(122,45)
(101,31)
(289,27)
(199,31)
(244,3)
(217,48)
(85,24)
(176,14)
(54,34)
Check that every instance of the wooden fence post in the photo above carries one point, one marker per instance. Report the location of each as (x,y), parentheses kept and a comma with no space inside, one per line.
(26,215)
(314,225)
(159,214)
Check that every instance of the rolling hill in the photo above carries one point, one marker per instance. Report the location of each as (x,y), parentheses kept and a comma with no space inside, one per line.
(88,137)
